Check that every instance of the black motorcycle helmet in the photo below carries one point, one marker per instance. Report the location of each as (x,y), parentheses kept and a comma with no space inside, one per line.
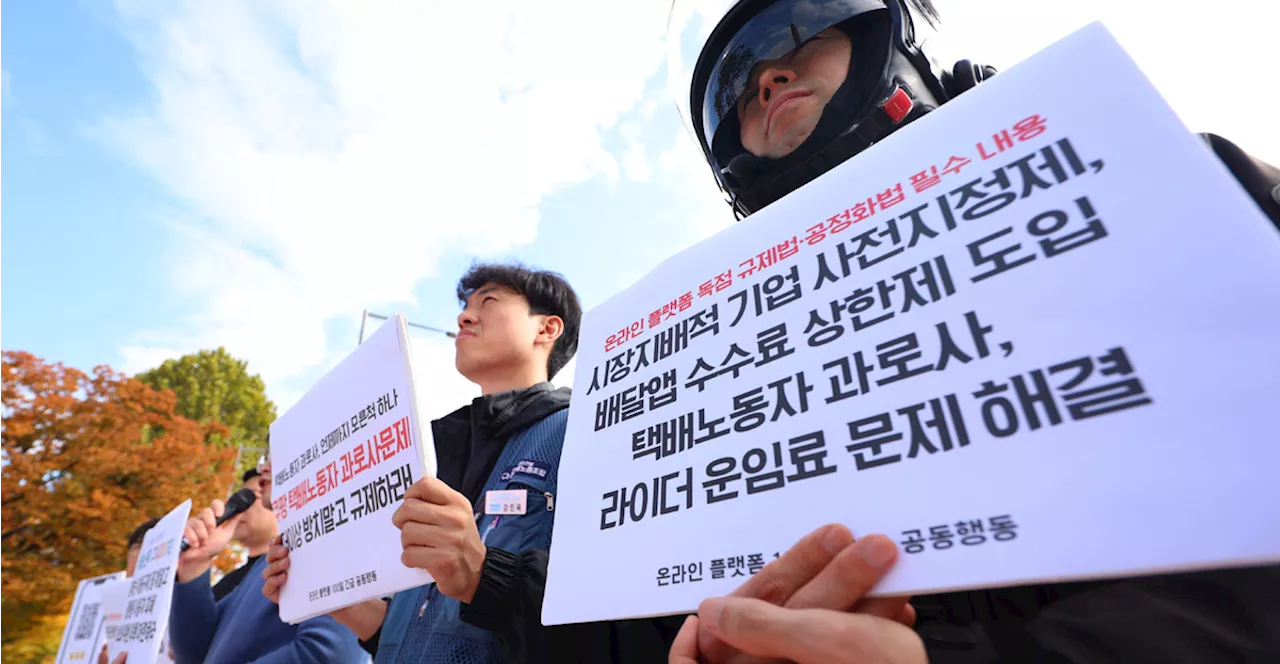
(893,79)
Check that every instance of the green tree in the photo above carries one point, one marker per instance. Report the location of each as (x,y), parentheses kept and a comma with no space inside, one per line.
(213,386)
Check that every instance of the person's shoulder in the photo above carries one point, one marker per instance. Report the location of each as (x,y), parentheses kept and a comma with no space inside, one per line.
(1260,179)
(551,425)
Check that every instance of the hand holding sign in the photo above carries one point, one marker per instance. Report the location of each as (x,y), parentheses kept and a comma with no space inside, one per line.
(826,570)
(438,533)
(804,636)
(277,571)
(207,539)
(120,659)
(364,618)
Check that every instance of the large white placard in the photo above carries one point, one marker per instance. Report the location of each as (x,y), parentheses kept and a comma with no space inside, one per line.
(343,457)
(140,627)
(82,636)
(1031,337)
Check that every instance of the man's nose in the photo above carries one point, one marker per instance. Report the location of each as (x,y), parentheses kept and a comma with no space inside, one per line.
(771,80)
(466,318)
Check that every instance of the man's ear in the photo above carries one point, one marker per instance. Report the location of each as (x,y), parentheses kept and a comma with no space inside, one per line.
(550,330)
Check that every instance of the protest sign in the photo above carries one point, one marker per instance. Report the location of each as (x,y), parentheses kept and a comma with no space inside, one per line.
(83,634)
(342,459)
(1030,337)
(145,616)
(115,599)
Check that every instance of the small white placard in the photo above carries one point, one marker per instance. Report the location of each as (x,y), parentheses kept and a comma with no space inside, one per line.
(343,458)
(115,598)
(82,637)
(144,617)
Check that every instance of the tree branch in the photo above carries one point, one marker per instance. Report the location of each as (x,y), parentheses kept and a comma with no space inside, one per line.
(13,531)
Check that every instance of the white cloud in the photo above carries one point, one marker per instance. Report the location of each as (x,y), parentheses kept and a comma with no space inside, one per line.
(685,170)
(441,389)
(1210,64)
(325,155)
(332,152)
(636,164)
(140,358)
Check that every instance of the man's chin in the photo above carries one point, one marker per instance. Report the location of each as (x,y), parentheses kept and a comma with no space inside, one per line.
(467,368)
(789,143)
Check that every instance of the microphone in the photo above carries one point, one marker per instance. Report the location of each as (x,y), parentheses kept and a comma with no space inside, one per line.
(237,503)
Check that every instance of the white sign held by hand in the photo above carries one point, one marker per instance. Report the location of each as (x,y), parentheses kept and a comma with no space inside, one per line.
(342,459)
(1040,316)
(144,616)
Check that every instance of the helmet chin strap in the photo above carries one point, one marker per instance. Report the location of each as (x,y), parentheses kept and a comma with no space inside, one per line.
(966,75)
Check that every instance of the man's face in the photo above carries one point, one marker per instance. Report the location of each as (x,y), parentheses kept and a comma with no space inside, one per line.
(495,332)
(264,481)
(784,98)
(131,559)
(258,519)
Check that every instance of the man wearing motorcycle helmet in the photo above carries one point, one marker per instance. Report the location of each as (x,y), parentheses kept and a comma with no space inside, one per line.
(777,92)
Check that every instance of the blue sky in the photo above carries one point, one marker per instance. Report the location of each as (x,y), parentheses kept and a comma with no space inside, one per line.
(249,174)
(124,245)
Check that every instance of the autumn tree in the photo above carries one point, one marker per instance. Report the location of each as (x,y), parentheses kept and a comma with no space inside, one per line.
(86,459)
(213,386)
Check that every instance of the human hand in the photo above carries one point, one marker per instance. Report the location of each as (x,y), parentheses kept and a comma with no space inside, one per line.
(438,533)
(207,539)
(277,571)
(102,656)
(363,618)
(824,570)
(804,636)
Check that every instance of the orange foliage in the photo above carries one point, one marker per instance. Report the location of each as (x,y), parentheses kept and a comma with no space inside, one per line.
(88,458)
(228,560)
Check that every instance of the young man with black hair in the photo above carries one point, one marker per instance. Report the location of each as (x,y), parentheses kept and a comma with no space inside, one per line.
(135,545)
(518,328)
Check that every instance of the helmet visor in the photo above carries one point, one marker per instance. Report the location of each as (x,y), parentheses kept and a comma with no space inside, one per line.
(780,28)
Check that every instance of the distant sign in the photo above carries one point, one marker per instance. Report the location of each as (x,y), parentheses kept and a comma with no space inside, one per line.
(115,599)
(1025,321)
(82,637)
(142,621)
(343,457)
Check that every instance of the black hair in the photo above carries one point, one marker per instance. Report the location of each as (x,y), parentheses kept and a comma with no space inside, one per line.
(249,474)
(928,11)
(548,294)
(135,537)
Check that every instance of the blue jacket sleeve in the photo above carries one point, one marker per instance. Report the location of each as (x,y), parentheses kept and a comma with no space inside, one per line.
(193,619)
(319,640)
(509,604)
